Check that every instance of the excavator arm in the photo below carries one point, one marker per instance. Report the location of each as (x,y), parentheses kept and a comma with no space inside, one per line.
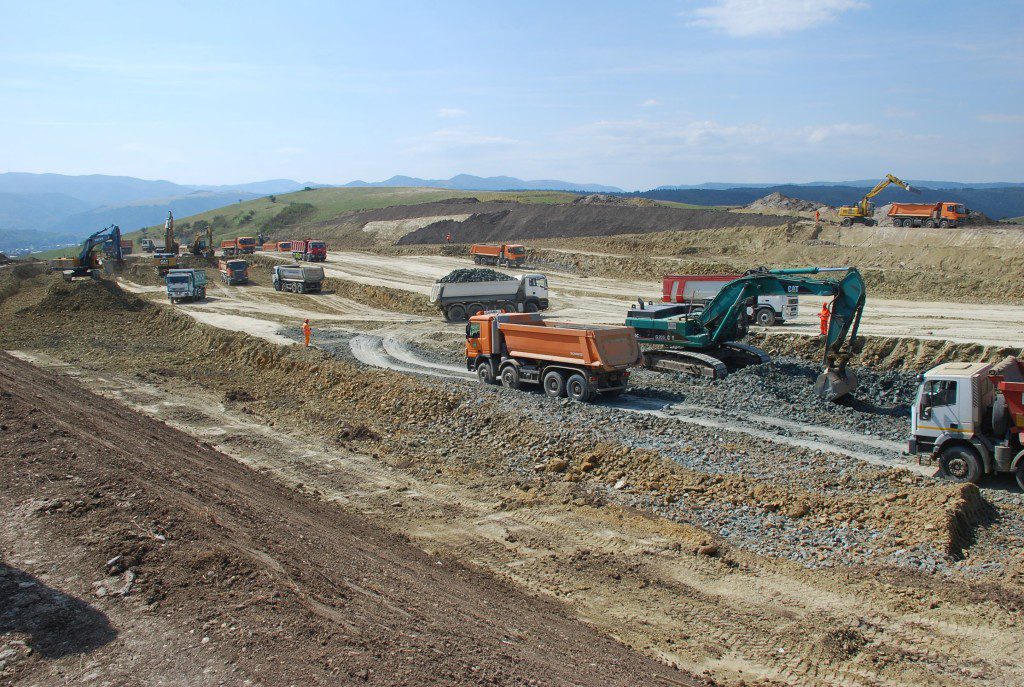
(863,210)
(723,320)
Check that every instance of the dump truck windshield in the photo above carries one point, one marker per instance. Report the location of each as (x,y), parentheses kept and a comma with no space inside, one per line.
(177,279)
(516,250)
(317,244)
(542,282)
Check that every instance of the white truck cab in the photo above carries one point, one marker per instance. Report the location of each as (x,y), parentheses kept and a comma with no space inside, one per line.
(960,419)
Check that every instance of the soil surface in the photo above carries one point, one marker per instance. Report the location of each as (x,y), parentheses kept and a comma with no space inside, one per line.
(135,554)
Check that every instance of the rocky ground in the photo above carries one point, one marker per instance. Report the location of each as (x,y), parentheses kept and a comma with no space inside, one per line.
(650,524)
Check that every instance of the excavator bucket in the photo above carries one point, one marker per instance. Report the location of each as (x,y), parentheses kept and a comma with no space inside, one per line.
(833,384)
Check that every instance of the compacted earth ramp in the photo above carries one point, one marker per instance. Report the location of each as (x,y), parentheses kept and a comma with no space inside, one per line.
(134,553)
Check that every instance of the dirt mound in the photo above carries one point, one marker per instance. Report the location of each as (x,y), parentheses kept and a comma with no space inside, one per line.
(4,260)
(604,199)
(469,275)
(521,222)
(87,296)
(777,201)
(886,353)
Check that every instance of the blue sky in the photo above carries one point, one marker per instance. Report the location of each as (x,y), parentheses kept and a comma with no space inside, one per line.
(630,94)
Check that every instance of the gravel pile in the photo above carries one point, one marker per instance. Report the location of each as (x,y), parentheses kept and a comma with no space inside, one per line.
(777,201)
(472,275)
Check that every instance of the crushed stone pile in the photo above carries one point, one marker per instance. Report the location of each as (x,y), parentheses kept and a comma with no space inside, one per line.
(91,295)
(777,201)
(470,275)
(605,199)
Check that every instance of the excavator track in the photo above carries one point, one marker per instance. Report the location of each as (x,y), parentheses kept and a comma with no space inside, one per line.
(687,362)
(760,355)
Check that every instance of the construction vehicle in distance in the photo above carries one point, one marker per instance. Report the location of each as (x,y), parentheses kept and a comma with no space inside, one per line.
(864,211)
(930,215)
(246,245)
(88,261)
(698,290)
(270,247)
(233,272)
(298,279)
(284,246)
(575,360)
(185,284)
(146,245)
(504,255)
(167,259)
(202,244)
(308,250)
(970,418)
(229,248)
(522,293)
(707,342)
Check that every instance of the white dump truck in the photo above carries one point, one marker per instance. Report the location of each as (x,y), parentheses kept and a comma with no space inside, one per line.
(459,300)
(185,285)
(970,418)
(298,279)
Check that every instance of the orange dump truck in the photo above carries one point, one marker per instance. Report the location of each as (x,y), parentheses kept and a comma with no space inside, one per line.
(229,247)
(943,214)
(507,254)
(269,247)
(580,361)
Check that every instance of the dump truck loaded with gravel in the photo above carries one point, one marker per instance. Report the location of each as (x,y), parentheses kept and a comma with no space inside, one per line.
(298,279)
(469,292)
(581,361)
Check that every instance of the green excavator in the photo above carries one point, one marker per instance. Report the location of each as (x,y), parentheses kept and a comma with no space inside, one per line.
(707,342)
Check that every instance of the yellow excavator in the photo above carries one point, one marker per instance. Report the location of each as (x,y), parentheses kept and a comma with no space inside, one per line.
(202,244)
(167,259)
(864,211)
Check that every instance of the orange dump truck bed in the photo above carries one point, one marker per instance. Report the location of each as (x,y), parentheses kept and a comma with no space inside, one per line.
(597,346)
(921,209)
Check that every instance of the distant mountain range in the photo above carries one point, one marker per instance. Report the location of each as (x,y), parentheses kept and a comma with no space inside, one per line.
(859,183)
(468,182)
(40,211)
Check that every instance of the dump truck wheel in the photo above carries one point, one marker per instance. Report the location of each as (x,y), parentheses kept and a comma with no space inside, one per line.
(578,389)
(765,317)
(484,373)
(475,309)
(532,306)
(456,313)
(960,464)
(846,222)
(554,384)
(944,224)
(510,377)
(1020,474)
(930,223)
(508,306)
(277,286)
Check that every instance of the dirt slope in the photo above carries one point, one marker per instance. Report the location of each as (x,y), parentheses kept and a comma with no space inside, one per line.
(141,534)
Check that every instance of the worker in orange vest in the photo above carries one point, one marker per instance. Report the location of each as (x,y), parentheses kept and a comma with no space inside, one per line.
(448,237)
(824,316)
(306,331)
(817,217)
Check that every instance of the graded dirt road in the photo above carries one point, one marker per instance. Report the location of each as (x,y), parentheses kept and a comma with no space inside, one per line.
(135,555)
(597,299)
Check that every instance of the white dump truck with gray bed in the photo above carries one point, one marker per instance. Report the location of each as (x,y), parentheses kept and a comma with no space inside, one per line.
(463,299)
(298,279)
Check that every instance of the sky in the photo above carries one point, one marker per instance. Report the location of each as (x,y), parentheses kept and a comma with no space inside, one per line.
(629,94)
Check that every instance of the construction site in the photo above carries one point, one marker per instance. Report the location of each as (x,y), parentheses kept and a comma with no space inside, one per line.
(502,459)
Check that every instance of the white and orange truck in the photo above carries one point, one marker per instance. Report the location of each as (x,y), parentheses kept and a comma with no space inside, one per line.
(580,361)
(504,255)
(697,290)
(931,215)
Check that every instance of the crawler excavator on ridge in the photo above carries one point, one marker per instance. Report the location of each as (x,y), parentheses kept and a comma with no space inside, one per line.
(864,211)
(705,343)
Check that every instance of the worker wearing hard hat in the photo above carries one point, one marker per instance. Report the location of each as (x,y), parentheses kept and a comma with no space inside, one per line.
(306,331)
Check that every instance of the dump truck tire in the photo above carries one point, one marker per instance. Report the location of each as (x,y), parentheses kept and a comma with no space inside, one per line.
(531,306)
(484,373)
(554,384)
(510,377)
(961,464)
(475,309)
(765,317)
(944,224)
(456,313)
(578,389)
(1020,474)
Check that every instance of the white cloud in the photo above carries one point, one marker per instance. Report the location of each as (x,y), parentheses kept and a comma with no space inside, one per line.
(650,102)
(756,17)
(997,118)
(451,112)
(819,134)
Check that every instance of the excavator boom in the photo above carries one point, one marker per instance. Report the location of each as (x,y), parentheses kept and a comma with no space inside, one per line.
(723,322)
(862,212)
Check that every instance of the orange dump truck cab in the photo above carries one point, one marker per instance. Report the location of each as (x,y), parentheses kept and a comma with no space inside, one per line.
(945,214)
(581,361)
(246,244)
(506,255)
(229,247)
